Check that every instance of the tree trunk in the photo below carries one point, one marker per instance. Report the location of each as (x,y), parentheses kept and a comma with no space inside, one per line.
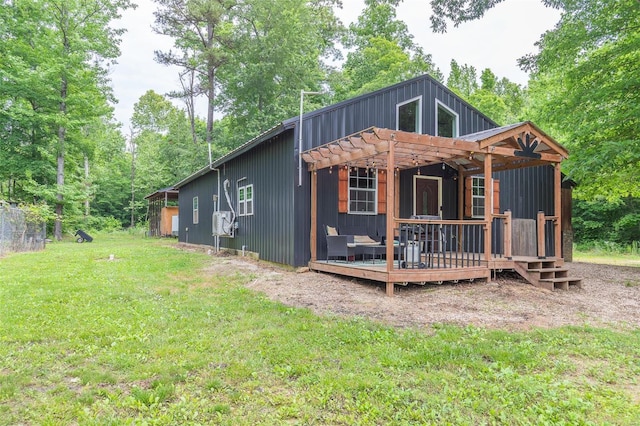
(211,75)
(133,176)
(87,185)
(57,229)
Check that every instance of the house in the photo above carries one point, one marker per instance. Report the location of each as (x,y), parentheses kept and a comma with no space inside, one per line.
(408,159)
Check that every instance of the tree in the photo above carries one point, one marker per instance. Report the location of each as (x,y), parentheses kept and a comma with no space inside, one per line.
(161,148)
(57,53)
(462,79)
(279,48)
(500,99)
(201,31)
(585,89)
(466,10)
(384,52)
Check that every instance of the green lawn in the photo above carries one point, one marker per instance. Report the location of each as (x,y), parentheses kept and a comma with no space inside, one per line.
(149,338)
(606,258)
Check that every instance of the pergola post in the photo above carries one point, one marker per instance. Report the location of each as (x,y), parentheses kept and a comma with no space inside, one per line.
(313,238)
(557,205)
(391,189)
(488,205)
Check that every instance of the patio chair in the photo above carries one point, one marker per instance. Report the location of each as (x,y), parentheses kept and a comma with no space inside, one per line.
(339,246)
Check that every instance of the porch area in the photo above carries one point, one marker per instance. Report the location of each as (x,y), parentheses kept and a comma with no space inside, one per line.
(429,249)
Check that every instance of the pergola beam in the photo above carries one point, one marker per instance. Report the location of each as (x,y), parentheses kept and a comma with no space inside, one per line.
(369,148)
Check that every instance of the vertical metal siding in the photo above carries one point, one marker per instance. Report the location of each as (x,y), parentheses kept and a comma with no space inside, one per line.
(376,109)
(203,188)
(526,191)
(269,230)
(280,228)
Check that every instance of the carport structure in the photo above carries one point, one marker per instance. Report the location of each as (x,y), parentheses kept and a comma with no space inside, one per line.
(479,154)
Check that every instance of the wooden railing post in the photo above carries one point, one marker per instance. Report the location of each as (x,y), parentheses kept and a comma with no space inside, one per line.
(507,234)
(557,234)
(541,223)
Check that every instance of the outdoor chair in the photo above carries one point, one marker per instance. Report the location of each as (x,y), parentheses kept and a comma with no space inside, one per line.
(339,246)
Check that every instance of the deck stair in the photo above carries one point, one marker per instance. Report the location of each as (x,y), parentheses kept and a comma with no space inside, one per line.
(546,273)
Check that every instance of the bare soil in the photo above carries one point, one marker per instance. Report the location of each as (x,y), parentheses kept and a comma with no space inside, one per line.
(609,297)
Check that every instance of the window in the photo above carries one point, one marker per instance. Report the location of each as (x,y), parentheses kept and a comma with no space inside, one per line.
(408,115)
(477,196)
(362,191)
(447,121)
(475,190)
(245,200)
(196,215)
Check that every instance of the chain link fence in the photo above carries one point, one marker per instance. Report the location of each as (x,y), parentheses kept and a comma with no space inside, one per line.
(19,234)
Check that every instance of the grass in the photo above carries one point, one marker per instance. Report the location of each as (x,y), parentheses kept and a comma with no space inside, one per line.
(149,338)
(606,257)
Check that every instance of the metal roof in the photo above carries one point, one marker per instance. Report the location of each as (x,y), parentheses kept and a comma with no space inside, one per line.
(274,131)
(169,192)
(293,121)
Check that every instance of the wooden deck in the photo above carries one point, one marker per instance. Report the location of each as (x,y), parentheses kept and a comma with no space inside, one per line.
(377,271)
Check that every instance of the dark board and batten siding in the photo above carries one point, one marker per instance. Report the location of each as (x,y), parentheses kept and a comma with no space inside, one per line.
(526,191)
(374,109)
(203,188)
(269,231)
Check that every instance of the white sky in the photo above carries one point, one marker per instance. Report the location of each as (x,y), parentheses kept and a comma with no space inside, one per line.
(506,33)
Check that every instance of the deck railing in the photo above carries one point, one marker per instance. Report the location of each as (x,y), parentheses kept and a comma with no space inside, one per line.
(501,235)
(436,244)
(546,226)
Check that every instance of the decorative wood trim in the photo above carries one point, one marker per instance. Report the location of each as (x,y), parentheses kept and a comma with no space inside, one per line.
(382,191)
(343,190)
(468,203)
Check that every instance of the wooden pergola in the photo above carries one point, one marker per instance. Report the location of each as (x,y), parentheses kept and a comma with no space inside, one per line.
(510,147)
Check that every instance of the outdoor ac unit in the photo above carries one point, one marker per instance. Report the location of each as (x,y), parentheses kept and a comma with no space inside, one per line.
(222,225)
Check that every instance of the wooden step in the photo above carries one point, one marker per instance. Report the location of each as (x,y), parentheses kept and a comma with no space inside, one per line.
(546,274)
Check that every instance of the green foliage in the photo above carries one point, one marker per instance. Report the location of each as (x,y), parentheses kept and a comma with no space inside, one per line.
(37,213)
(586,90)
(279,48)
(466,10)
(501,100)
(153,337)
(102,224)
(602,220)
(165,152)
(53,67)
(383,53)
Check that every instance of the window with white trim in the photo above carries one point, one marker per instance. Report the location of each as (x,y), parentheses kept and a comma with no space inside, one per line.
(363,194)
(477,196)
(245,200)
(196,214)
(408,115)
(446,121)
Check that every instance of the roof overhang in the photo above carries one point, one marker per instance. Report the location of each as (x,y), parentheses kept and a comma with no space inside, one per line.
(511,147)
(165,193)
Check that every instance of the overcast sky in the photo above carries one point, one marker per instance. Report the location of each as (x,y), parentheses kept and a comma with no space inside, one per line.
(506,33)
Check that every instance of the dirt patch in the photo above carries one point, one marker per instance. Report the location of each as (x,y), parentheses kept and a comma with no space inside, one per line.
(609,297)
